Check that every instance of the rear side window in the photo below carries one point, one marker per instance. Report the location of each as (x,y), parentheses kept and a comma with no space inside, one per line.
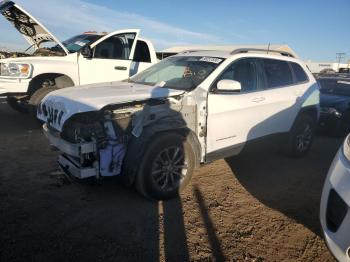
(299,73)
(142,53)
(277,73)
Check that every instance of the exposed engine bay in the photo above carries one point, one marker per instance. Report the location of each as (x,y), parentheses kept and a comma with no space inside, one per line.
(4,54)
(103,137)
(38,52)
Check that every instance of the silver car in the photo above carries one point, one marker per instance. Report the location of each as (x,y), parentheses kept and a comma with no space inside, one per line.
(335,204)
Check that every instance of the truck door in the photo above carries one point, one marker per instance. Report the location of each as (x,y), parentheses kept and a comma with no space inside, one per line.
(111,59)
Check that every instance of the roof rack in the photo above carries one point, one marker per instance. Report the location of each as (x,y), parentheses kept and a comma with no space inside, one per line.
(246,50)
(194,50)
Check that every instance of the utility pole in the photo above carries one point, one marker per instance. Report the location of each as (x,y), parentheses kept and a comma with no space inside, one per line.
(339,57)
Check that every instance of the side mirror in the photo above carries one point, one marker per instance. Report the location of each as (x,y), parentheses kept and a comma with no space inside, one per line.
(86,51)
(228,85)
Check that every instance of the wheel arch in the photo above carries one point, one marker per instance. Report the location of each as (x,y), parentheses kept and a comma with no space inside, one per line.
(311,111)
(60,80)
(137,147)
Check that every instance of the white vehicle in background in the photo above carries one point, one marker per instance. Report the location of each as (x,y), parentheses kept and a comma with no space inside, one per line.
(83,59)
(335,205)
(192,108)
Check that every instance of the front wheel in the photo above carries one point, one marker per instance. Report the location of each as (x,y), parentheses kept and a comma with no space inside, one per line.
(300,137)
(166,167)
(17,104)
(36,98)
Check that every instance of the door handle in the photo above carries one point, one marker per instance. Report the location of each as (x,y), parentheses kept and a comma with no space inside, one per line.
(120,68)
(258,99)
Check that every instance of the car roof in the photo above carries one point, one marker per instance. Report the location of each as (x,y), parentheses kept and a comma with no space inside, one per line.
(228,54)
(212,53)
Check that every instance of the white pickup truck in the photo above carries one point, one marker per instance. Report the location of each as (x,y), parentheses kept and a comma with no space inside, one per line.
(83,59)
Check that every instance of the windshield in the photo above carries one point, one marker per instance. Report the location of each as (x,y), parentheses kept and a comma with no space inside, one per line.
(179,72)
(335,86)
(75,43)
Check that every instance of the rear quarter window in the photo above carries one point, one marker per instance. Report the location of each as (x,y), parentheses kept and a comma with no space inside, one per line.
(277,73)
(299,73)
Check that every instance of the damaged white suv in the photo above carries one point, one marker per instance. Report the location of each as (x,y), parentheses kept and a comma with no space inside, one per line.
(189,109)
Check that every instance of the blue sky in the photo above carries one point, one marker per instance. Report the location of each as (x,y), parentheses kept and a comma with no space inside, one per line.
(315,29)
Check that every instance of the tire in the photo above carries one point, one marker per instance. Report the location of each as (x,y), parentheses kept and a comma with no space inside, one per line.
(341,129)
(36,98)
(17,105)
(162,177)
(301,136)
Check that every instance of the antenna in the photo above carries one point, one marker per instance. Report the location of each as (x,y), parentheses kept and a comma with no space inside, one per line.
(268,48)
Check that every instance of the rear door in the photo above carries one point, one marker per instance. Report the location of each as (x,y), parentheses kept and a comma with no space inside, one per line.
(111,60)
(283,96)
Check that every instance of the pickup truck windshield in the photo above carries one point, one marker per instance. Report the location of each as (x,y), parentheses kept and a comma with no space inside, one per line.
(179,72)
(335,86)
(75,43)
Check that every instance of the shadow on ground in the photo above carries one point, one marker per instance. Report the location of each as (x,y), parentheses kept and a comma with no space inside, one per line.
(292,186)
(45,217)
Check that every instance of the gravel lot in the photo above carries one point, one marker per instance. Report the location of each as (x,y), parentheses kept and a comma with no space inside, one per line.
(257,207)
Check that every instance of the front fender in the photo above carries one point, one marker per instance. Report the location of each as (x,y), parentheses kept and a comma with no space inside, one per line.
(137,145)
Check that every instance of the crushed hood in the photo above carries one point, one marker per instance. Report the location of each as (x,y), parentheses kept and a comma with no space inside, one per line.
(31,29)
(73,100)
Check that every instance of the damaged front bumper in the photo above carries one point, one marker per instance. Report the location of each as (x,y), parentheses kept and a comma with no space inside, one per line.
(73,156)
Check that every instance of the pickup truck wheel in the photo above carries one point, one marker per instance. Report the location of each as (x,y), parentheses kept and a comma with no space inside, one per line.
(166,167)
(36,98)
(17,105)
(301,136)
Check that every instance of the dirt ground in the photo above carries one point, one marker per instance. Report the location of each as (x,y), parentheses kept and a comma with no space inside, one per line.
(257,207)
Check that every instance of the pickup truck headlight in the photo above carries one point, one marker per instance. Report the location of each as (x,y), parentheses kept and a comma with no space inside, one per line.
(346,147)
(15,70)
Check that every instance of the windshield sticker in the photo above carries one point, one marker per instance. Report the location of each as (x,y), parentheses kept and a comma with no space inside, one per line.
(160,84)
(211,60)
(343,82)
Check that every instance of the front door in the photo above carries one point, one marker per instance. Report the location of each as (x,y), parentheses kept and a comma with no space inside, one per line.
(233,116)
(111,59)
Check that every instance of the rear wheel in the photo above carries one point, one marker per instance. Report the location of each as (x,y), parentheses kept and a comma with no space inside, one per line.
(341,129)
(301,136)
(166,167)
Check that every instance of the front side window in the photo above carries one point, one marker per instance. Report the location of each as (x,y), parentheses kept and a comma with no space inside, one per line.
(115,47)
(178,72)
(277,73)
(243,71)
